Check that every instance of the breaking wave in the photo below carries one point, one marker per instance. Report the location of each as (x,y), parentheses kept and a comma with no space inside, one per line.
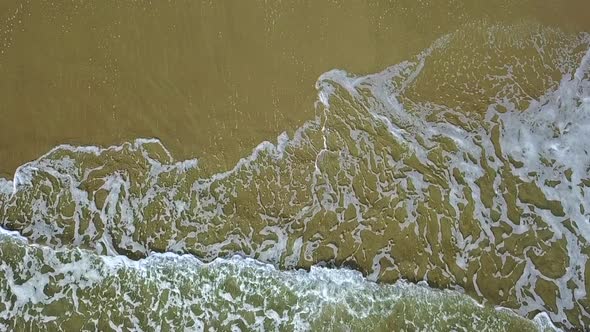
(72,290)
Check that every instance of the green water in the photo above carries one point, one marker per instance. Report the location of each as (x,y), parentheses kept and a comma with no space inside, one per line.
(74,290)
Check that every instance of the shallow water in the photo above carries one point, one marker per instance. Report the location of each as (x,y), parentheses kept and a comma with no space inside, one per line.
(67,290)
(211,79)
(463,166)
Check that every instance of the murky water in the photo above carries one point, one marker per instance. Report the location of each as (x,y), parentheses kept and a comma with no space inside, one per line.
(211,79)
(460,161)
(81,291)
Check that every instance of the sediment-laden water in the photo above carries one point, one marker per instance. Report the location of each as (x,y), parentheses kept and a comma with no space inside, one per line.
(465,167)
(72,290)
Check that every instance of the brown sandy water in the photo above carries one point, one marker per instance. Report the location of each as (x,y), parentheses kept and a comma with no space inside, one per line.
(456,161)
(210,79)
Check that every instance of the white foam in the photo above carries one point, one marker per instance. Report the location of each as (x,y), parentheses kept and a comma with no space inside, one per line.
(525,136)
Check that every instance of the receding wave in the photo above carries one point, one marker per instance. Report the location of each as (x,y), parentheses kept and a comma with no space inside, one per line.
(465,167)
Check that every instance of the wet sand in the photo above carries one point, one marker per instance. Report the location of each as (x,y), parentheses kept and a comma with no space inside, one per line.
(210,79)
